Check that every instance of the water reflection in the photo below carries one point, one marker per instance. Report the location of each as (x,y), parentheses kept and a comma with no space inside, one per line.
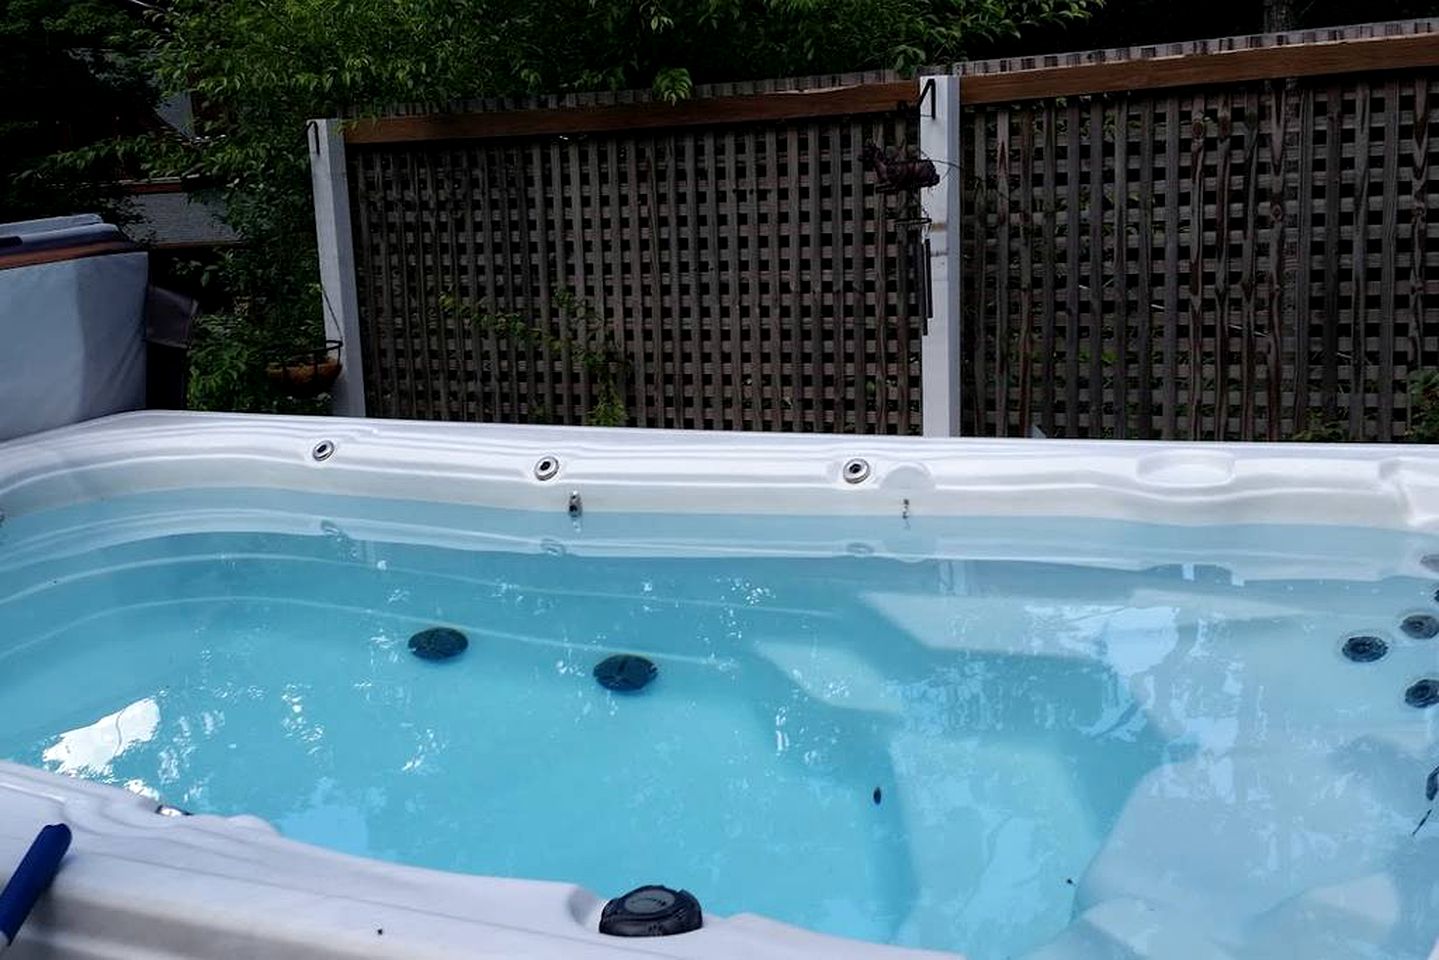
(91,751)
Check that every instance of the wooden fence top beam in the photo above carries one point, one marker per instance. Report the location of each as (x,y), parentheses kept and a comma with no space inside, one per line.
(1360,55)
(797,105)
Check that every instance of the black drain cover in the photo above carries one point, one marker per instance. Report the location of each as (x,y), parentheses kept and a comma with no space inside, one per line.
(1365,649)
(1420,626)
(1422,693)
(625,672)
(438,643)
(651,911)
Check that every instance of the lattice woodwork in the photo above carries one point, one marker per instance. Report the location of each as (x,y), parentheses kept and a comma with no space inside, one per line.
(1249,262)
(739,277)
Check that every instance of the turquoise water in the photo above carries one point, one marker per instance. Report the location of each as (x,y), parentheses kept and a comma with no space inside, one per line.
(911,750)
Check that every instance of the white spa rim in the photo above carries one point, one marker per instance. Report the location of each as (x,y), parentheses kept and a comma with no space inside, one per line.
(138,885)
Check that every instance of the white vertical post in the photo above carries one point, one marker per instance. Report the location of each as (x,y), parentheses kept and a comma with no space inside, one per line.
(337,263)
(939,129)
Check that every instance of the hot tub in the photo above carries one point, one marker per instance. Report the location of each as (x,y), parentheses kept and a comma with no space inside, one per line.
(1033,699)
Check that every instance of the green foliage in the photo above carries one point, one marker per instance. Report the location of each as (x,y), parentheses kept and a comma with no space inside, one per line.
(225,364)
(1124,23)
(259,69)
(590,345)
(1323,430)
(673,84)
(1424,407)
(74,84)
(618,43)
(227,368)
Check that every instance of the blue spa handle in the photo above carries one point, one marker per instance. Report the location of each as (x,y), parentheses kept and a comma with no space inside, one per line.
(31,878)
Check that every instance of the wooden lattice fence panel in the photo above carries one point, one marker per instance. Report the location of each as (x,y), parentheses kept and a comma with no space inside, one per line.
(1232,258)
(1244,261)
(743,276)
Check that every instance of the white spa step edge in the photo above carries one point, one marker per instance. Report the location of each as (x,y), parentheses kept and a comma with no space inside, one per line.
(140,886)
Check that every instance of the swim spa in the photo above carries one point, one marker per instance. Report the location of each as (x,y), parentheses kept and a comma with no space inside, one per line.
(995,698)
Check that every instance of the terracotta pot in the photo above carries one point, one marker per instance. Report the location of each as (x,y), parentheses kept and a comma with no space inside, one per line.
(307,374)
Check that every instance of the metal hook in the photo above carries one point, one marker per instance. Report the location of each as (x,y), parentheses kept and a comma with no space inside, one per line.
(928,92)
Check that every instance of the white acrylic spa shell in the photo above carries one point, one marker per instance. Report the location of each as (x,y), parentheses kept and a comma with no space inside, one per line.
(140,885)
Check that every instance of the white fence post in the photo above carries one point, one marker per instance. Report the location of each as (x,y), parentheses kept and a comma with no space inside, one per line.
(337,263)
(939,129)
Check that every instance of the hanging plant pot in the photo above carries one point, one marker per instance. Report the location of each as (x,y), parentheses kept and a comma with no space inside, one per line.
(307,374)
(897,171)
